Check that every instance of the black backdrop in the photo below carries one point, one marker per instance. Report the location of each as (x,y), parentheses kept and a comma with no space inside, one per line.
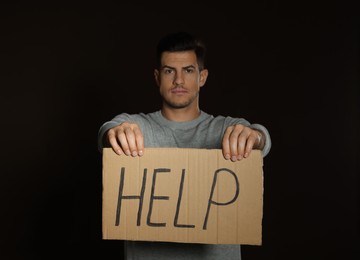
(69,67)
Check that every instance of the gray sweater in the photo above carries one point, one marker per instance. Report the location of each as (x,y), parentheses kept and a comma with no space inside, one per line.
(206,132)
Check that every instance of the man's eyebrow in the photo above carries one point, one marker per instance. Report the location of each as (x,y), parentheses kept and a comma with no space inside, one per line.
(167,67)
(172,68)
(189,67)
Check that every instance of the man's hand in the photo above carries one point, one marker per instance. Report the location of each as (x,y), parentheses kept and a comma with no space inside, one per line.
(239,140)
(126,138)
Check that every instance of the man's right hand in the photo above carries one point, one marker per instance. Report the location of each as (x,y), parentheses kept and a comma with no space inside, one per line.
(127,139)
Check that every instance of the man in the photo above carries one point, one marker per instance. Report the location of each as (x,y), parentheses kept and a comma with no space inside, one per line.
(180,74)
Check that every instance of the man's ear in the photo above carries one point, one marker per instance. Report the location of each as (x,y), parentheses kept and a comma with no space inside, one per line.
(156,76)
(203,77)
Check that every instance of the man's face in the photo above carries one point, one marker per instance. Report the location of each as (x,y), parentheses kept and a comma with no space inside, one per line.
(179,79)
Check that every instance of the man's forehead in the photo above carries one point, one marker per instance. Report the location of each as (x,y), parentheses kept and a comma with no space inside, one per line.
(183,58)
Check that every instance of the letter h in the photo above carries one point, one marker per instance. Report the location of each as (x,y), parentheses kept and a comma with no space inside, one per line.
(121,197)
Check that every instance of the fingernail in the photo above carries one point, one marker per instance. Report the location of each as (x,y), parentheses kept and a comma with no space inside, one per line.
(246,155)
(233,158)
(141,153)
(227,156)
(239,157)
(134,153)
(118,152)
(127,152)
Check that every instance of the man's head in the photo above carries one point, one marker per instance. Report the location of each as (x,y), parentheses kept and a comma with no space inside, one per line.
(180,72)
(181,41)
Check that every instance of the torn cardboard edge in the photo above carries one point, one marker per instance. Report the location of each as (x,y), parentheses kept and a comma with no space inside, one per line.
(183,195)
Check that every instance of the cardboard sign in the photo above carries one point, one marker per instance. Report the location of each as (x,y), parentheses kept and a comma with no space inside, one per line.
(183,195)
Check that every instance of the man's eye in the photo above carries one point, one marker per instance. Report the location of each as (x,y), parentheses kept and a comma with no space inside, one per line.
(167,71)
(189,70)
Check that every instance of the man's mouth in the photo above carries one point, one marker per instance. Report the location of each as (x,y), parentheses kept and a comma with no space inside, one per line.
(178,91)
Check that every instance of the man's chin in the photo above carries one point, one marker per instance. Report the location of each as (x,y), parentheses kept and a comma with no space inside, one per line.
(177,105)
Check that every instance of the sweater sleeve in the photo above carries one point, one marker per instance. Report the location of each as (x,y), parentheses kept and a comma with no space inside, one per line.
(267,146)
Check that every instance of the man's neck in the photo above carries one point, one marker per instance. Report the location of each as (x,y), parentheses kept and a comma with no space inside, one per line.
(180,114)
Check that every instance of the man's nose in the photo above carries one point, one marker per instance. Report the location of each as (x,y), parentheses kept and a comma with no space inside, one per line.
(179,78)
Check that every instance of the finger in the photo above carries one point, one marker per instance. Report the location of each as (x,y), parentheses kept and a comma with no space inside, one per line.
(241,143)
(139,141)
(114,143)
(226,143)
(234,143)
(123,141)
(131,141)
(251,140)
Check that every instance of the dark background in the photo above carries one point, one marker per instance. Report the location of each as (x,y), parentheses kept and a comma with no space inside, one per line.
(66,68)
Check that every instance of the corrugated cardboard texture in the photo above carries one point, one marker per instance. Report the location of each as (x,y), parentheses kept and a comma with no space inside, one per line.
(183,195)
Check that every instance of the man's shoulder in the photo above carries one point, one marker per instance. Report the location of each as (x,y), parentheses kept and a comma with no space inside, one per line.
(151,114)
(226,120)
(147,118)
(211,117)
(143,115)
